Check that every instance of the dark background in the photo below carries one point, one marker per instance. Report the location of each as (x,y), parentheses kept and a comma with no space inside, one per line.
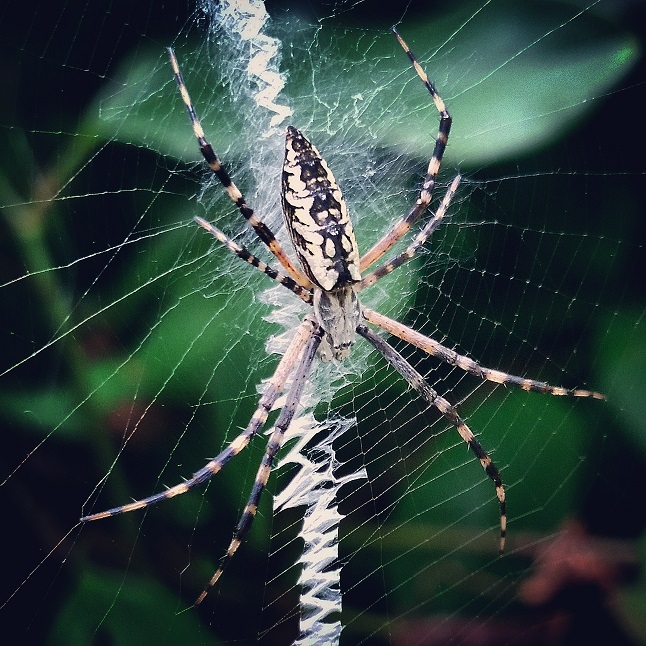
(55,58)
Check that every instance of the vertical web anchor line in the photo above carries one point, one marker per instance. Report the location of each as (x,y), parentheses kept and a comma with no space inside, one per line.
(246,20)
(316,486)
(316,483)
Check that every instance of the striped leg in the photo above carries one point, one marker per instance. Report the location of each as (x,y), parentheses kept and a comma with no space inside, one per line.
(261,229)
(418,382)
(451,357)
(254,261)
(420,239)
(273,446)
(265,404)
(404,224)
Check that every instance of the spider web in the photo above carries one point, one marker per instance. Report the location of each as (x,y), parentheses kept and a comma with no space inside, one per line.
(133,347)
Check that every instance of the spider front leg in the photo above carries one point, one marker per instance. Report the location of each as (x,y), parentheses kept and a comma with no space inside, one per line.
(267,400)
(273,446)
(416,381)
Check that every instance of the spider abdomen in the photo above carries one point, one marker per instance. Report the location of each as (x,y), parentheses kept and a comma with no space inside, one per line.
(317,216)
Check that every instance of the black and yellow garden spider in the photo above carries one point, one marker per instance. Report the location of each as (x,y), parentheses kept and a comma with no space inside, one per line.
(330,280)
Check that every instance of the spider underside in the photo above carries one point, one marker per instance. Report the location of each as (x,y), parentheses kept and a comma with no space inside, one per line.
(331,278)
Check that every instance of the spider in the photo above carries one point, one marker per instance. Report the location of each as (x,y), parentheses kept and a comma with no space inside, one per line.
(329,280)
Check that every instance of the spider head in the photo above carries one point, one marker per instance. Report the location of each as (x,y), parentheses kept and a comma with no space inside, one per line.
(338,312)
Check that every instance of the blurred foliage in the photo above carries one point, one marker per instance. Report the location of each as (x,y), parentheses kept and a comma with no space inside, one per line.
(71,183)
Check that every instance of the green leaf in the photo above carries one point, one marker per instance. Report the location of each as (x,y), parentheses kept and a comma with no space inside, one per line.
(514,79)
(623,372)
(42,409)
(95,614)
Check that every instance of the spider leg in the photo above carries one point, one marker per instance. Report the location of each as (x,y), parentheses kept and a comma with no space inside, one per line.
(273,446)
(261,229)
(418,382)
(420,239)
(404,224)
(254,261)
(436,349)
(258,419)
